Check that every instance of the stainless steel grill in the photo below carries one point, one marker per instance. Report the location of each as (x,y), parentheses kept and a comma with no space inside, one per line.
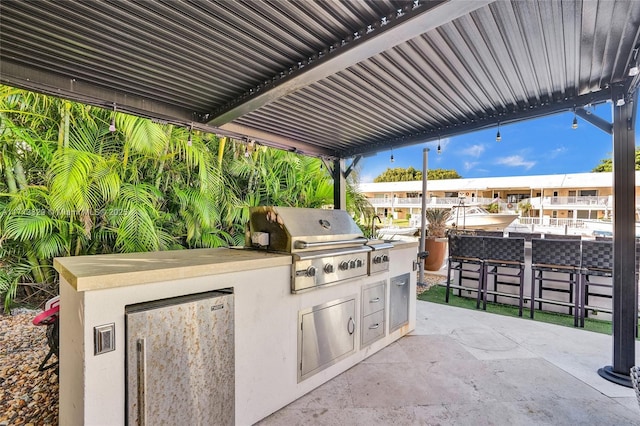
(327,245)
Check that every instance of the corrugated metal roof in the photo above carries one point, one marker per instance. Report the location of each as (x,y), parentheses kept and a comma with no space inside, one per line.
(333,78)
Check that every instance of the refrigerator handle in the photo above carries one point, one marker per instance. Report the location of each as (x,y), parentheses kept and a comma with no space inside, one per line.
(142,385)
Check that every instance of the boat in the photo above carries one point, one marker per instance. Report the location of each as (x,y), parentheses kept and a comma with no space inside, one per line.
(471,216)
(393,231)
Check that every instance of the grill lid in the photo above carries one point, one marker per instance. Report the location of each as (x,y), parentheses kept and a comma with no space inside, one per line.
(293,229)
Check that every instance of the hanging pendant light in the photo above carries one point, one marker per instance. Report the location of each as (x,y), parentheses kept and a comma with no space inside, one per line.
(498,137)
(392,159)
(439,150)
(112,126)
(574,124)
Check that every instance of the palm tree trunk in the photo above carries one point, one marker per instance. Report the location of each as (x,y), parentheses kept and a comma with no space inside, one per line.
(63,132)
(164,155)
(221,143)
(20,177)
(9,176)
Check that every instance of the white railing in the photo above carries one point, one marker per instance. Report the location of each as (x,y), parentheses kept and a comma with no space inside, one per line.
(599,202)
(551,221)
(431,202)
(603,202)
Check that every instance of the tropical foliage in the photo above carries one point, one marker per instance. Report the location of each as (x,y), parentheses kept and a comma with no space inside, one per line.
(79,180)
(437,221)
(399,174)
(606,164)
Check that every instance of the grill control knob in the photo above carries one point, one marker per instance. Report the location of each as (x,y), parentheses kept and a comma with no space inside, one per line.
(352,264)
(359,263)
(328,268)
(311,271)
(344,265)
(385,258)
(377,259)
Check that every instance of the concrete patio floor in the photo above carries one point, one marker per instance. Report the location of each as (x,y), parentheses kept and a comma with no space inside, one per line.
(465,367)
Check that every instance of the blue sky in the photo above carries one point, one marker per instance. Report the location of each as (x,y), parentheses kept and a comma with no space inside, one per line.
(535,147)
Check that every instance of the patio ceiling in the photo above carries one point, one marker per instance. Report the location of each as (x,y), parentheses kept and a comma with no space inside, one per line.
(331,78)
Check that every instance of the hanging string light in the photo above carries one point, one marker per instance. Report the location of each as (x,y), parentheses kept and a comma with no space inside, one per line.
(498,136)
(112,126)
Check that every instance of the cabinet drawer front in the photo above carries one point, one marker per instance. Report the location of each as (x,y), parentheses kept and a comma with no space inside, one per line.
(372,327)
(373,299)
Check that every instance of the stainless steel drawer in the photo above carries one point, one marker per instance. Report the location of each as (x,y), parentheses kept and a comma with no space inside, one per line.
(372,328)
(373,298)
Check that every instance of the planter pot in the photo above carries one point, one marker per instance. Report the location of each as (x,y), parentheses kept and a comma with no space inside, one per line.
(437,248)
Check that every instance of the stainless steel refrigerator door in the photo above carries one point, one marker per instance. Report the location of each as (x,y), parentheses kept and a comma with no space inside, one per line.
(399,302)
(180,361)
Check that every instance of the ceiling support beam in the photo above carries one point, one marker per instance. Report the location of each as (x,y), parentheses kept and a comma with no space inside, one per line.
(593,119)
(625,291)
(484,123)
(339,185)
(276,141)
(375,39)
(354,163)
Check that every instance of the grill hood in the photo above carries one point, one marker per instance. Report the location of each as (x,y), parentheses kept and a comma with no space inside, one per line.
(292,229)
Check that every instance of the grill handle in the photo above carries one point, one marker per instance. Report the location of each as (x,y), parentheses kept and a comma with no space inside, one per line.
(303,244)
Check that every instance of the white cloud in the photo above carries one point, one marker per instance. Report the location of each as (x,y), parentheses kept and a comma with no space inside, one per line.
(515,161)
(366,178)
(473,150)
(554,153)
(468,165)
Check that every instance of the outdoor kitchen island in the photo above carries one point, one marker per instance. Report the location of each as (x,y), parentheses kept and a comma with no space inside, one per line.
(96,292)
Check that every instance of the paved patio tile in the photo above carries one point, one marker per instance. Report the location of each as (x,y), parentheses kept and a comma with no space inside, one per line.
(463,367)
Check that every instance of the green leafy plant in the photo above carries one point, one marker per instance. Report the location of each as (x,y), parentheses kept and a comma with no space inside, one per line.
(437,221)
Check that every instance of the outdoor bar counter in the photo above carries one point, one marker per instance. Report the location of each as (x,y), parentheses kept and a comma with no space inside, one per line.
(95,290)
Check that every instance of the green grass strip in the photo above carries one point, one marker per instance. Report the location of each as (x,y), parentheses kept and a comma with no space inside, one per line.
(436,294)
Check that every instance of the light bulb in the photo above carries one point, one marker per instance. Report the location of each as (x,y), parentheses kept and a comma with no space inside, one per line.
(498,137)
(574,125)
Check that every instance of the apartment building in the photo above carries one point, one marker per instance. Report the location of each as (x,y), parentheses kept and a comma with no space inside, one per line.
(560,197)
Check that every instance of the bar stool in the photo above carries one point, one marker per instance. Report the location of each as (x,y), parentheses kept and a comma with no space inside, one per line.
(528,236)
(560,257)
(502,256)
(483,233)
(597,261)
(465,256)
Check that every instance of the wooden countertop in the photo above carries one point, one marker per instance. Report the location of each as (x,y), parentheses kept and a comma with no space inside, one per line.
(119,270)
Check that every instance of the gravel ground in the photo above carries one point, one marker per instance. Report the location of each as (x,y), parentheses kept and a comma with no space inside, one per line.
(430,280)
(27,396)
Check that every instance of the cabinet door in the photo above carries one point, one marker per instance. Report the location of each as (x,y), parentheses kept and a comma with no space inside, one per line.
(327,334)
(399,302)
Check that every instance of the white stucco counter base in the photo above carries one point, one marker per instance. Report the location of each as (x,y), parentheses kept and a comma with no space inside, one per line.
(95,290)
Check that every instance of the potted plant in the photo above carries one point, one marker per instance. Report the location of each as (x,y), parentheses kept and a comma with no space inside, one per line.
(435,241)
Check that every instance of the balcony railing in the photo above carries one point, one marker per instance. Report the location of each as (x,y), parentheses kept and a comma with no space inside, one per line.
(431,202)
(602,202)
